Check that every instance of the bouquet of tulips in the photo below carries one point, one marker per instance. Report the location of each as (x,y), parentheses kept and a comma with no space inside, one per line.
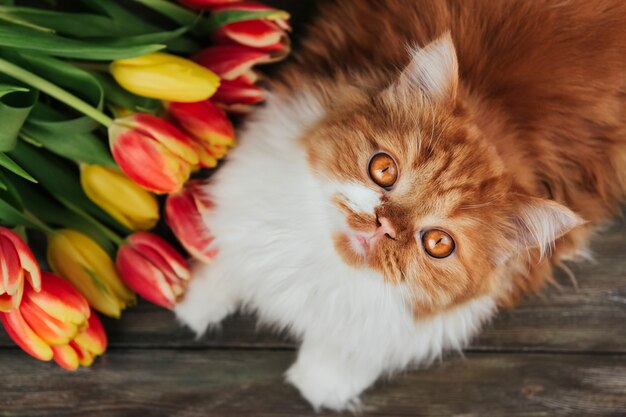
(104,117)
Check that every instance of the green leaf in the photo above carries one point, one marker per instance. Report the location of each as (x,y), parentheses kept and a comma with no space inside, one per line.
(121,15)
(123,98)
(69,77)
(215,20)
(83,25)
(61,181)
(16,103)
(178,14)
(12,166)
(10,194)
(23,38)
(50,211)
(81,147)
(10,216)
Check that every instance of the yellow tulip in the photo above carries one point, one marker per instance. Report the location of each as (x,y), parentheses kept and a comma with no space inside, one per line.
(119,196)
(90,269)
(165,77)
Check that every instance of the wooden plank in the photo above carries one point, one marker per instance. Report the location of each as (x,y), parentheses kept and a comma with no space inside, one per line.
(204,383)
(592,318)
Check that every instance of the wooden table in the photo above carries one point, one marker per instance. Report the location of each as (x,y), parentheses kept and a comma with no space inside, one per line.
(563,353)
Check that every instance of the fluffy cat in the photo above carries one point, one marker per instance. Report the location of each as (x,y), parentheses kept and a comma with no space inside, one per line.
(418,165)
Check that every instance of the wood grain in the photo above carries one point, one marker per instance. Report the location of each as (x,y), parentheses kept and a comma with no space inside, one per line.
(189,383)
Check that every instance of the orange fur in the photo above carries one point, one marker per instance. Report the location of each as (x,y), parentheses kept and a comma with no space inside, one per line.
(537,113)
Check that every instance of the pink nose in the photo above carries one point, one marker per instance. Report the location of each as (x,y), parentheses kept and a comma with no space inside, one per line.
(385,228)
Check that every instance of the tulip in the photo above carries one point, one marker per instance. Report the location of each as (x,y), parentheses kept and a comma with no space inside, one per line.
(83,349)
(206,124)
(152,152)
(153,269)
(55,323)
(165,77)
(89,268)
(233,63)
(184,212)
(16,264)
(122,198)
(265,28)
(204,4)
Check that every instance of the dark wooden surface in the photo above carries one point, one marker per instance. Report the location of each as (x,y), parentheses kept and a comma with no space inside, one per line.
(560,353)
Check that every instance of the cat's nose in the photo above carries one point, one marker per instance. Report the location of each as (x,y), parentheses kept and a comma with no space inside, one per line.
(385,228)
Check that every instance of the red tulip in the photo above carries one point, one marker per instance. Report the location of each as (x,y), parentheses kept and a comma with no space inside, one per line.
(206,124)
(204,4)
(56,323)
(261,27)
(153,269)
(152,152)
(16,264)
(234,64)
(184,212)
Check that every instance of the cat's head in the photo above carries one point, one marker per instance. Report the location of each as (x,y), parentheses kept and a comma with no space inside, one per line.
(416,192)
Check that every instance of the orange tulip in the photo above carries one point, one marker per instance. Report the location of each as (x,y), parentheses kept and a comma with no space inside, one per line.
(184,212)
(17,264)
(54,322)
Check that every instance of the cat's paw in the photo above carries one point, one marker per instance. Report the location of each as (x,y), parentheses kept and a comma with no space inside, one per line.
(206,303)
(325,386)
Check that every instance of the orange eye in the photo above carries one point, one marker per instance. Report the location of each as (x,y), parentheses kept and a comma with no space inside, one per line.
(438,243)
(383,170)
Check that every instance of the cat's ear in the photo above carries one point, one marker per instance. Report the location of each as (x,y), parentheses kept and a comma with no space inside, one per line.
(433,71)
(539,222)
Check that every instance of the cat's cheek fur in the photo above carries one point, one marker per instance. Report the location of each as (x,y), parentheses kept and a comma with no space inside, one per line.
(276,258)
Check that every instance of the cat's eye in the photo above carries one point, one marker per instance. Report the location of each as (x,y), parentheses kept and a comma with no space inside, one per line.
(383,170)
(438,243)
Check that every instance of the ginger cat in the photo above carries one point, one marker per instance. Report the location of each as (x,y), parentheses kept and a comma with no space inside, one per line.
(418,165)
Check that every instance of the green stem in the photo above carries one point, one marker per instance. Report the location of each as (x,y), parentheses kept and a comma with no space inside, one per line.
(41,225)
(55,91)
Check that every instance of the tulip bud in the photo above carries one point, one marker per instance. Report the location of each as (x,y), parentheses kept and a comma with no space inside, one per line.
(153,269)
(230,62)
(16,264)
(50,322)
(204,4)
(122,198)
(89,343)
(207,125)
(267,32)
(152,152)
(165,77)
(184,212)
(89,268)
(233,63)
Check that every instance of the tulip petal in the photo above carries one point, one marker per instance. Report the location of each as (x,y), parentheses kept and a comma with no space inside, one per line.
(165,133)
(184,217)
(65,259)
(85,357)
(51,330)
(60,300)
(27,259)
(145,161)
(24,336)
(122,198)
(93,338)
(10,266)
(164,253)
(165,77)
(206,122)
(66,357)
(231,61)
(262,34)
(238,92)
(144,277)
